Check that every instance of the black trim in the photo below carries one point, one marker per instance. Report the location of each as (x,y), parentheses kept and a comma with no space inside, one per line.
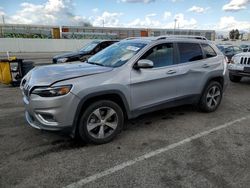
(239,73)
(189,99)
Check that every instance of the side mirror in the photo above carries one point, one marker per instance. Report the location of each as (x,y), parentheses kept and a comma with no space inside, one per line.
(144,64)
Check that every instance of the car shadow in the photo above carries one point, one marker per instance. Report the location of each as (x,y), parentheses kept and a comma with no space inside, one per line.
(64,142)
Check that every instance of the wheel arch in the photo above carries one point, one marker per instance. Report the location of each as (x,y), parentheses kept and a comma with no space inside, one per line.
(112,95)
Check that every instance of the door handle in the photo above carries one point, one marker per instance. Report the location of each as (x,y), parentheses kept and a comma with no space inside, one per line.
(205,66)
(171,72)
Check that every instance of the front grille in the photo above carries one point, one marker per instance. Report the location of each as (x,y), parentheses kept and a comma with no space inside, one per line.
(245,61)
(26,92)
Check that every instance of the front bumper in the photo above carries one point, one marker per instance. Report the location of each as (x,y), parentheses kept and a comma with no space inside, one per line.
(51,113)
(238,70)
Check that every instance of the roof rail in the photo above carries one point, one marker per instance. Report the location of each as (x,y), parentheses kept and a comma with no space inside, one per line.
(181,36)
(131,38)
(134,38)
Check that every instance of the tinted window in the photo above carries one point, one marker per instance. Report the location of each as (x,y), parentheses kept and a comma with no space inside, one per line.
(162,55)
(89,47)
(237,49)
(208,51)
(229,50)
(189,52)
(105,44)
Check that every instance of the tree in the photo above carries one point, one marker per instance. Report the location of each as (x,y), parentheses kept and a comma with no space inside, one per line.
(231,34)
(234,34)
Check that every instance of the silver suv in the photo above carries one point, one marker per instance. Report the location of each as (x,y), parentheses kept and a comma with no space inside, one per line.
(125,80)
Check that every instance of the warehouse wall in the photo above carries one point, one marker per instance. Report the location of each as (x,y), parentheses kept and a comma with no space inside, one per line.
(40,45)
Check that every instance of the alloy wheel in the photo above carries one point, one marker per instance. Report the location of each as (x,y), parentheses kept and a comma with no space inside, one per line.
(213,97)
(102,122)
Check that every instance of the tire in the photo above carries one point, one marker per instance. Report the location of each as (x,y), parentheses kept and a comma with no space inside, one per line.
(234,78)
(211,98)
(97,114)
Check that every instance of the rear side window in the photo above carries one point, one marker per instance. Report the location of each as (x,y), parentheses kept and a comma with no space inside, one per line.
(208,51)
(189,52)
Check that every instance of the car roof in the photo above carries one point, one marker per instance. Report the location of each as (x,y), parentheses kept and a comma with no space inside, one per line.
(168,38)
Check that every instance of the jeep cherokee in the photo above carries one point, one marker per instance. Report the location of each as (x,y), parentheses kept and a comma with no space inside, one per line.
(127,79)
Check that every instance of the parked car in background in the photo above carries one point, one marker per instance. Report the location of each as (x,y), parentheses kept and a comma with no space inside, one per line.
(229,50)
(245,47)
(123,81)
(239,67)
(84,53)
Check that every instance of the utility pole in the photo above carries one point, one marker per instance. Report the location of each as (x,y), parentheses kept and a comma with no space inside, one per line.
(103,22)
(175,21)
(2,28)
(3,19)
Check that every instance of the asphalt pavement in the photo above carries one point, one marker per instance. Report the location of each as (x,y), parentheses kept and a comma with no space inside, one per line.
(177,147)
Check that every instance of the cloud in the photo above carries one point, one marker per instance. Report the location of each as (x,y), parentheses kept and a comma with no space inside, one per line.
(137,1)
(236,5)
(197,9)
(227,23)
(167,15)
(2,13)
(52,12)
(95,10)
(151,15)
(109,19)
(183,22)
(147,21)
(151,22)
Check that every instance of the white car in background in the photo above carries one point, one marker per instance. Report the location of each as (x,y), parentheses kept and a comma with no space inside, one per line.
(239,66)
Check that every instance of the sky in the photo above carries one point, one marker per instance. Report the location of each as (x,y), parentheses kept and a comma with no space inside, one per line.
(219,15)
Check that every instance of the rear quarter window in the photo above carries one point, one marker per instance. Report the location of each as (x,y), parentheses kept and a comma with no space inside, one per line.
(189,52)
(208,51)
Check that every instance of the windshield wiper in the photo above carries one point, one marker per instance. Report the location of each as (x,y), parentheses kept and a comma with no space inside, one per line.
(94,63)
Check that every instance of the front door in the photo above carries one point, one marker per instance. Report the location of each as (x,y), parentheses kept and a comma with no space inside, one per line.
(154,86)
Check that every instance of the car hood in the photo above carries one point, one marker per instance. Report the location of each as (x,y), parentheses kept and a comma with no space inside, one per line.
(47,75)
(70,54)
(245,54)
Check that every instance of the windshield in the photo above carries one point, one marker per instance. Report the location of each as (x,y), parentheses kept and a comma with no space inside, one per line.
(89,46)
(117,54)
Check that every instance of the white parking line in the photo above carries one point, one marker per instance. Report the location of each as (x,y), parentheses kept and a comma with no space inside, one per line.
(123,165)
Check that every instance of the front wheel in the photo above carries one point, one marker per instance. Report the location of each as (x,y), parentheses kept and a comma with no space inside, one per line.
(211,97)
(101,122)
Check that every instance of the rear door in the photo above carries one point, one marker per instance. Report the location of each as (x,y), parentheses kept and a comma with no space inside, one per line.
(194,67)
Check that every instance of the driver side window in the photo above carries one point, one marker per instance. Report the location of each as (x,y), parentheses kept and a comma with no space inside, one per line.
(161,55)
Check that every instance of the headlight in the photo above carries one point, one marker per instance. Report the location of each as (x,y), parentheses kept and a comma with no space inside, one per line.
(52,91)
(62,60)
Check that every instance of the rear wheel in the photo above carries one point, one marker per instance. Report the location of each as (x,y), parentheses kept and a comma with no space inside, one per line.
(211,97)
(234,78)
(101,122)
